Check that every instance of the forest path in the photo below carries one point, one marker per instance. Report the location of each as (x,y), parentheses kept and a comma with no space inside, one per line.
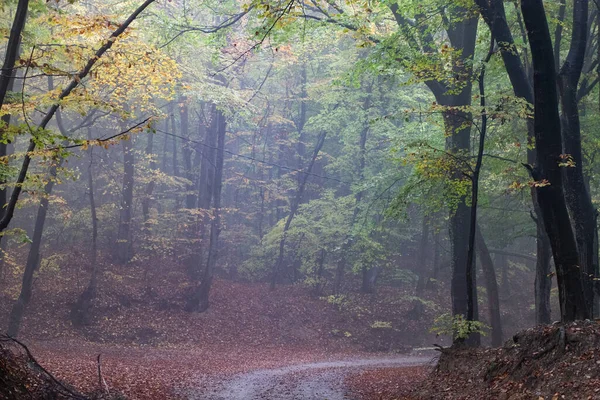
(310,381)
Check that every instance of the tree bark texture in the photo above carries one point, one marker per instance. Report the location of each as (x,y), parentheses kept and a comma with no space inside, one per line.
(547,172)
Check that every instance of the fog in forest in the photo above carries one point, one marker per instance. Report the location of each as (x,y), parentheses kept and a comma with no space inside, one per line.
(321,199)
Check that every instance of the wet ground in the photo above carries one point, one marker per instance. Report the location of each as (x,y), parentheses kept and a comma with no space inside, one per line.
(310,381)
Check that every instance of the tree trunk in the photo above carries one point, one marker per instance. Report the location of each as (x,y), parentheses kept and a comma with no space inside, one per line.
(80,313)
(293,208)
(577,195)
(362,161)
(547,173)
(494,15)
(491,284)
(151,184)
(124,238)
(543,279)
(200,300)
(205,194)
(320,268)
(423,250)
(33,258)
(190,197)
(12,49)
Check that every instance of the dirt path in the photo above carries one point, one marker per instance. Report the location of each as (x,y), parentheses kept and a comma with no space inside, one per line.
(311,381)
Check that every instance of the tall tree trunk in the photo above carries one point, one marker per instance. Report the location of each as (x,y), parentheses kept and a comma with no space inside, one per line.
(362,162)
(293,208)
(436,255)
(174,148)
(423,250)
(190,197)
(200,300)
(320,268)
(33,257)
(458,131)
(577,195)
(205,194)
(151,184)
(547,173)
(494,15)
(80,313)
(491,284)
(455,97)
(5,122)
(12,49)
(470,266)
(124,236)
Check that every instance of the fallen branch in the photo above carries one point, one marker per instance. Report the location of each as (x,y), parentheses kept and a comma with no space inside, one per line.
(101,381)
(69,392)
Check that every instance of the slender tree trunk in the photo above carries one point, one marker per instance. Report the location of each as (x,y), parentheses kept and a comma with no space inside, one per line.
(436,255)
(320,268)
(151,184)
(190,197)
(33,258)
(470,267)
(80,313)
(174,148)
(293,208)
(362,162)
(423,250)
(200,300)
(124,238)
(547,173)
(491,284)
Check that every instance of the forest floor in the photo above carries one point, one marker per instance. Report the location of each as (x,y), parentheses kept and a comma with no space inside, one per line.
(152,349)
(282,344)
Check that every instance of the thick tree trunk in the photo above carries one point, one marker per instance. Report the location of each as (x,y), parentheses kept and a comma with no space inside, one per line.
(577,195)
(12,49)
(205,194)
(494,15)
(547,173)
(458,131)
(491,284)
(124,245)
(5,122)
(543,278)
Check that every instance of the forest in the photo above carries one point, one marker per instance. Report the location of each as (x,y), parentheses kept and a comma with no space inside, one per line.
(299,199)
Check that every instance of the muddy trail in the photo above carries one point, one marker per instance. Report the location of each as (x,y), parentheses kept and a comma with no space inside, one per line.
(309,381)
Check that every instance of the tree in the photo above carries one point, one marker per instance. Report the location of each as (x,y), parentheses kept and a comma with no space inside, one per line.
(548,173)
